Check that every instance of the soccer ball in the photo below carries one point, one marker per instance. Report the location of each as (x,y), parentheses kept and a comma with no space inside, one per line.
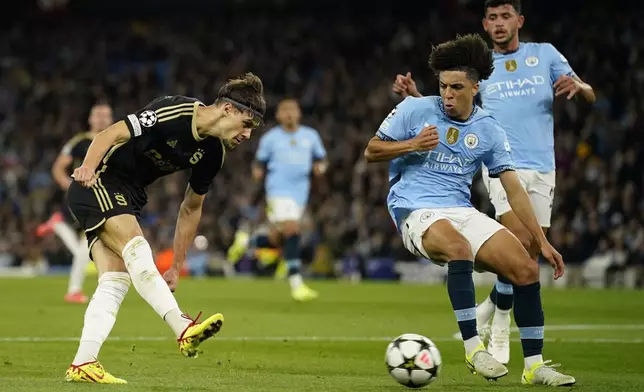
(413,360)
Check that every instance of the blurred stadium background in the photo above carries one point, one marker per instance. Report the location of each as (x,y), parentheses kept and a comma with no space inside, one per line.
(338,58)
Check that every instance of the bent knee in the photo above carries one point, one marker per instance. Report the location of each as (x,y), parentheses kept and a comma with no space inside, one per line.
(459,250)
(525,273)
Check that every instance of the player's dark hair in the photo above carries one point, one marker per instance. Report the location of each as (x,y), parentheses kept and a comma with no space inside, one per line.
(101,102)
(516,4)
(468,53)
(247,91)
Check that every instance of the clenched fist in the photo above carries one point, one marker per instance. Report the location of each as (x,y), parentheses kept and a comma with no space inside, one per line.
(426,140)
(84,176)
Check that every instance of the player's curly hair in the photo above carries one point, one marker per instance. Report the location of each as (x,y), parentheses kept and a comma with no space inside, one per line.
(516,4)
(468,53)
(247,90)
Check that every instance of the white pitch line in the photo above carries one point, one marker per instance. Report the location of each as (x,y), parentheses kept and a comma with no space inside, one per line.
(300,339)
(570,327)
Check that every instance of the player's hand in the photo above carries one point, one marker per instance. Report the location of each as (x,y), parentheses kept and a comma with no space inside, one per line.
(171,277)
(567,85)
(554,258)
(84,176)
(405,86)
(426,140)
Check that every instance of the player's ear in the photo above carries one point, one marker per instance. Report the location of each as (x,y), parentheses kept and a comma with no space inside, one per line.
(475,89)
(521,20)
(229,109)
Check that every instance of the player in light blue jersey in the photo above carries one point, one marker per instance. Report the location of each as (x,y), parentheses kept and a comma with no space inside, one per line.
(520,93)
(285,159)
(429,201)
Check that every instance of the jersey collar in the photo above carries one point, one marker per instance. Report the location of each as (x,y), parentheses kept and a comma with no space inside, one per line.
(497,54)
(474,110)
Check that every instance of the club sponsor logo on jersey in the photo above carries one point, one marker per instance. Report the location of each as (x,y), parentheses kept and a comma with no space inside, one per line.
(446,162)
(196,157)
(471,141)
(148,118)
(532,61)
(293,142)
(452,135)
(516,87)
(510,65)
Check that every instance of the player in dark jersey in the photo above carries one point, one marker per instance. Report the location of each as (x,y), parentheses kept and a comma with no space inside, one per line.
(61,222)
(170,134)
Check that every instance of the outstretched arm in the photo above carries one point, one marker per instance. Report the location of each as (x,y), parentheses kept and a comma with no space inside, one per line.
(184,234)
(187,222)
(573,85)
(522,207)
(521,204)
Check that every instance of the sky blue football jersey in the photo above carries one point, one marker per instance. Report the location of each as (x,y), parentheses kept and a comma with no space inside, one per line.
(519,94)
(441,177)
(289,158)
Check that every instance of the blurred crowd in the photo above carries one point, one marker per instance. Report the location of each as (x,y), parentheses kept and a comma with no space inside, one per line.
(340,67)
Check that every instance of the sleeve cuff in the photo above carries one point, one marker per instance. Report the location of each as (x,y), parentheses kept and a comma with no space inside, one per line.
(494,173)
(133,125)
(200,190)
(385,137)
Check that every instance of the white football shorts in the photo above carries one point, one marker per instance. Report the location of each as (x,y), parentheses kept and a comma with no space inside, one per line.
(474,225)
(539,186)
(282,209)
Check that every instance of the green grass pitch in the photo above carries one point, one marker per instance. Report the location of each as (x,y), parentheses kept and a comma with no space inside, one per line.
(270,343)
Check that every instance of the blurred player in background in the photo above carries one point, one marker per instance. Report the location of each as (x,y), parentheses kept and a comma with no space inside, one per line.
(285,158)
(442,142)
(62,223)
(170,134)
(520,94)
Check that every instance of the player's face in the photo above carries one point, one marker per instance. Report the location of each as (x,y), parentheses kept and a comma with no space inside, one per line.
(100,118)
(502,23)
(457,92)
(288,113)
(236,126)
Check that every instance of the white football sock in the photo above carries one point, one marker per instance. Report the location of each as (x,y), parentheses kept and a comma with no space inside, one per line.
(101,315)
(484,311)
(67,235)
(295,281)
(150,285)
(471,344)
(529,361)
(79,262)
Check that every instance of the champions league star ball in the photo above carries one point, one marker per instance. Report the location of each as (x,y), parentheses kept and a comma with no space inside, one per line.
(413,360)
